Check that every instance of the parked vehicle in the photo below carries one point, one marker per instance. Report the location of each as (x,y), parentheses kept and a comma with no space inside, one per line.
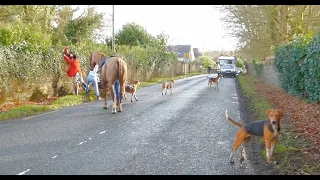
(239,70)
(225,60)
(222,60)
(229,70)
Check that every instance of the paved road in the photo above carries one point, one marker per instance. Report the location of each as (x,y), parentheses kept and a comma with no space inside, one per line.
(182,133)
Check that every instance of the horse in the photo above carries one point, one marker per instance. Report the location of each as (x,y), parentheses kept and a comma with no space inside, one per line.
(100,59)
(115,68)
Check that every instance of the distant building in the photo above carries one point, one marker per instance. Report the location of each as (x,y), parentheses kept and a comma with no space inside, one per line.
(181,51)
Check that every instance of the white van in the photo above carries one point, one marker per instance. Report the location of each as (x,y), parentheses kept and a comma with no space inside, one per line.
(222,60)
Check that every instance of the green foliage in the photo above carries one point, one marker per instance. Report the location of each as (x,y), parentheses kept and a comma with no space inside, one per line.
(32,39)
(258,103)
(148,56)
(27,110)
(24,37)
(23,111)
(271,28)
(240,63)
(207,61)
(258,67)
(69,100)
(299,67)
(132,34)
(82,28)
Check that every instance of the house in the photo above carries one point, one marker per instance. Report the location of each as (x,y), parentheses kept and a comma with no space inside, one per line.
(183,52)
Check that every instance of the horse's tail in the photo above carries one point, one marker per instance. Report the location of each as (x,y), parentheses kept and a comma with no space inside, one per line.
(119,67)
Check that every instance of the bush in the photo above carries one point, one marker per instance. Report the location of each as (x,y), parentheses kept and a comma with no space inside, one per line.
(25,37)
(240,63)
(207,61)
(258,67)
(311,69)
(299,67)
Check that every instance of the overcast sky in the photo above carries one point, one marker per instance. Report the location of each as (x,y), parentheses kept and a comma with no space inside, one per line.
(198,25)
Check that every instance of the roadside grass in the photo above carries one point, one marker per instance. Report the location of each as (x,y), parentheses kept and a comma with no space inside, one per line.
(24,110)
(71,100)
(27,110)
(260,106)
(288,153)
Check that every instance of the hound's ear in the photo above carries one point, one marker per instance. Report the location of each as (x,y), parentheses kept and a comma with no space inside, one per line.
(268,112)
(281,113)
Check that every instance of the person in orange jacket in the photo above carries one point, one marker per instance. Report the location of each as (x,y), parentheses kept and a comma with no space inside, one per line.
(74,69)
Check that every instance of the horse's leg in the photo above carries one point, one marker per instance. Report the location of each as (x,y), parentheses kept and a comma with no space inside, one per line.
(122,86)
(119,94)
(104,87)
(112,92)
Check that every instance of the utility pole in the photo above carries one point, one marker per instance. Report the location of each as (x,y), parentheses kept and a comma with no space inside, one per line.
(113,52)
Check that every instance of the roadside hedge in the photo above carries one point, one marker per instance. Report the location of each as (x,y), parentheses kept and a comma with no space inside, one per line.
(298,64)
(35,66)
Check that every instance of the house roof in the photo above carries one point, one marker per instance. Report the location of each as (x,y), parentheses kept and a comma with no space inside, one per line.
(179,50)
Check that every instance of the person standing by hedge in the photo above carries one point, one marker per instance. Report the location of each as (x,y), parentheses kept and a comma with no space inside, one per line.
(209,69)
(93,77)
(74,70)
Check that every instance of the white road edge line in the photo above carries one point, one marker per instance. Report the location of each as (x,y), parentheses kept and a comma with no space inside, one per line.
(22,173)
(40,114)
(82,142)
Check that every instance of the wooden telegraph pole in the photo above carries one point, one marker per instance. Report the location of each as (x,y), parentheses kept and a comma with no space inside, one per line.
(113,52)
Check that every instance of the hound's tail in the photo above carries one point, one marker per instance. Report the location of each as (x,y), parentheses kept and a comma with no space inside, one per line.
(232,121)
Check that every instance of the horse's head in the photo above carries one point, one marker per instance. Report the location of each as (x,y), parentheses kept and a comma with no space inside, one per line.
(95,59)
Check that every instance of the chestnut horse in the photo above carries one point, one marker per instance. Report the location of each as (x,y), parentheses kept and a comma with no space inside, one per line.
(111,69)
(114,69)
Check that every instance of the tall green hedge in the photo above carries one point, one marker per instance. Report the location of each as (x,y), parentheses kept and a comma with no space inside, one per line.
(258,67)
(29,66)
(298,65)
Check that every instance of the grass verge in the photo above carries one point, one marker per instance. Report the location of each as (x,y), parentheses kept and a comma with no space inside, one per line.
(289,152)
(27,110)
(70,100)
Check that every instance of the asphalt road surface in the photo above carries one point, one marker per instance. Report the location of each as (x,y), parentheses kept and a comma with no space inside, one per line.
(182,133)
